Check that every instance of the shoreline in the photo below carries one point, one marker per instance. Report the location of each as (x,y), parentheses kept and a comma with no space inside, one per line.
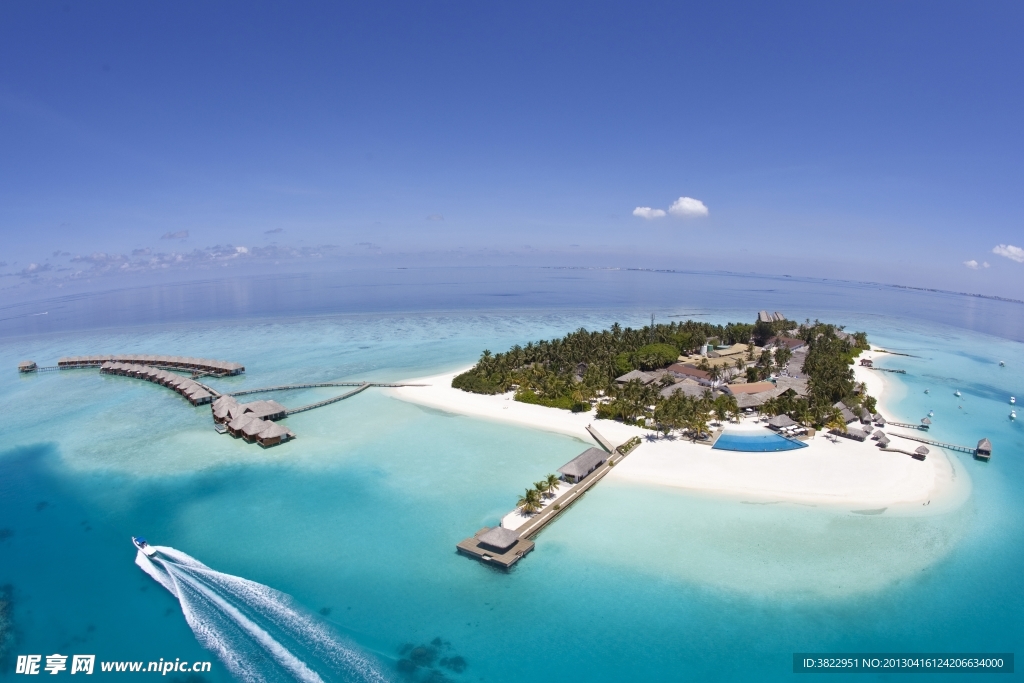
(852,476)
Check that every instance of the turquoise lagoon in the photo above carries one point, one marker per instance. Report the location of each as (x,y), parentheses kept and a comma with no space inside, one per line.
(358,518)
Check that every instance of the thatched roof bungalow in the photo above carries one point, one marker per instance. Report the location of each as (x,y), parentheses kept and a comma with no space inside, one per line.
(274,435)
(583,464)
(498,539)
(984,450)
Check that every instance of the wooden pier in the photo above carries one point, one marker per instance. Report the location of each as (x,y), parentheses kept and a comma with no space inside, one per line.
(907,425)
(302,409)
(505,556)
(288,387)
(947,446)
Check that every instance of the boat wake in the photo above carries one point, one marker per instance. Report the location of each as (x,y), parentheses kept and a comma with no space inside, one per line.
(259,633)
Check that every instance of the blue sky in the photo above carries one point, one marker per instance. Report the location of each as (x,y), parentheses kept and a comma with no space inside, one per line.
(877,141)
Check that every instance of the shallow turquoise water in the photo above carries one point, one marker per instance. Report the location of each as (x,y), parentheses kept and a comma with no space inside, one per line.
(360,515)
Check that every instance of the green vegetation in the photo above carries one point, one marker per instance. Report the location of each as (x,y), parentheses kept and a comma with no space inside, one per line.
(579,370)
(629,445)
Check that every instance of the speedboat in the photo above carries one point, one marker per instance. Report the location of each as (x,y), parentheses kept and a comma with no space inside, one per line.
(926,391)
(1013,414)
(1002,364)
(140,543)
(956,393)
(1013,399)
(931,413)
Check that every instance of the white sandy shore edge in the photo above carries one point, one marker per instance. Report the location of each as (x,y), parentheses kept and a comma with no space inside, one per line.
(853,475)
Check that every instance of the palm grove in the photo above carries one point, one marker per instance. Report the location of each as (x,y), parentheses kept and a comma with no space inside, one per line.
(579,370)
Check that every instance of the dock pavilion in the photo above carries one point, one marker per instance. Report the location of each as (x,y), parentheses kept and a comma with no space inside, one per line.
(583,464)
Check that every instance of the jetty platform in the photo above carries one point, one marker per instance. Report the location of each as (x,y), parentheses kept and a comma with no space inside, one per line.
(504,547)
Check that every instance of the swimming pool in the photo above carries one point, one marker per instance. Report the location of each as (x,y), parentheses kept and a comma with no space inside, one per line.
(756,442)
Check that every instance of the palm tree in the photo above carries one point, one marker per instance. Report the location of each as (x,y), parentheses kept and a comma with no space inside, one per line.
(836,421)
(530,501)
(541,487)
(552,481)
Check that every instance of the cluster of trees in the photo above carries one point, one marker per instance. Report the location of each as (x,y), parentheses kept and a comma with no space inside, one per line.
(570,373)
(533,499)
(830,354)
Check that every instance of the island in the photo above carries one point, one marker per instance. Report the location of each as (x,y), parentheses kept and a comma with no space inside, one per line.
(770,411)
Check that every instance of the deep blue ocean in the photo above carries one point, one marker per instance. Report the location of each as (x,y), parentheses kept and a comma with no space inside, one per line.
(358,518)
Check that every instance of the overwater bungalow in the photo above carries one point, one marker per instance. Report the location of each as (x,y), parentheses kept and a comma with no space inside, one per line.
(274,435)
(984,450)
(27,366)
(205,365)
(236,425)
(253,427)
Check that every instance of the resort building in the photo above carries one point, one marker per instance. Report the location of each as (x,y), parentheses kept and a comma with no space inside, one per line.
(690,372)
(688,387)
(498,539)
(766,317)
(780,422)
(848,415)
(731,352)
(984,450)
(196,393)
(253,428)
(27,366)
(643,377)
(797,386)
(202,365)
(751,394)
(851,433)
(236,425)
(791,343)
(583,464)
(867,363)
(274,435)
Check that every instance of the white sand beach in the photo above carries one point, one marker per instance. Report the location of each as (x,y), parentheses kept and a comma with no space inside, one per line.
(846,473)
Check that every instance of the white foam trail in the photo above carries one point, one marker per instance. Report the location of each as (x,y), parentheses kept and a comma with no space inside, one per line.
(161,577)
(206,598)
(276,650)
(277,607)
(213,639)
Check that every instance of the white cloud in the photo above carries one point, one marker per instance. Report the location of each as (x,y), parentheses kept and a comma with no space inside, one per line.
(985,264)
(688,207)
(972,264)
(1009,251)
(648,213)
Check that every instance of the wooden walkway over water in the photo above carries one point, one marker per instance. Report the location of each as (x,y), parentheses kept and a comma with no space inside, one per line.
(472,547)
(939,444)
(315,385)
(302,409)
(907,425)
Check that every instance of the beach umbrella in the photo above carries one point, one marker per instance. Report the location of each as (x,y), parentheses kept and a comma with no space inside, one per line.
(922,450)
